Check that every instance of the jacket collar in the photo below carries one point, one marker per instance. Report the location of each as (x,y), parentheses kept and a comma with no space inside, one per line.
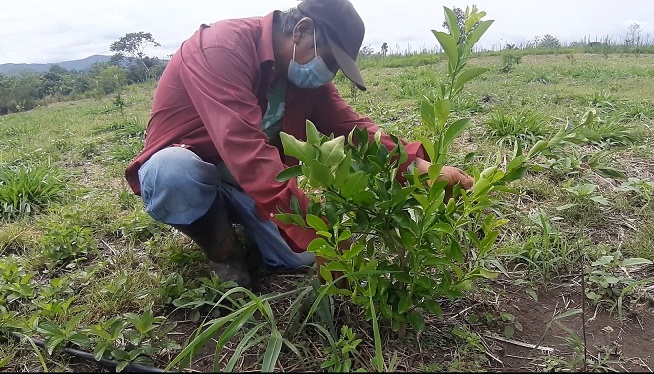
(265,43)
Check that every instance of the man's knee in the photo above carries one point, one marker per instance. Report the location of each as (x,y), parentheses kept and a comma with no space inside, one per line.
(177,187)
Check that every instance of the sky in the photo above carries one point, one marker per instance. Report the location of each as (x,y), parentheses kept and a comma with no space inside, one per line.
(46,31)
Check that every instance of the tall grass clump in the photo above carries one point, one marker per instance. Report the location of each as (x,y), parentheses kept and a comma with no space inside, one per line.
(27,189)
(525,125)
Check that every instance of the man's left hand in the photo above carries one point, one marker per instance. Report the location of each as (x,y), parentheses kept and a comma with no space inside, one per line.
(451,174)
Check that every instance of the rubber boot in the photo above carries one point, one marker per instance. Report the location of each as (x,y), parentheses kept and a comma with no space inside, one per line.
(215,235)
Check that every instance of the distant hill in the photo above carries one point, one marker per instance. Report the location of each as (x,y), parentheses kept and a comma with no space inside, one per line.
(82,64)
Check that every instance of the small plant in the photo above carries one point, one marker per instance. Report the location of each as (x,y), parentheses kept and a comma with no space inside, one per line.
(25,190)
(585,195)
(340,351)
(60,336)
(509,61)
(638,186)
(15,283)
(505,320)
(526,126)
(545,250)
(197,298)
(609,132)
(119,103)
(608,282)
(264,332)
(137,227)
(402,246)
(65,242)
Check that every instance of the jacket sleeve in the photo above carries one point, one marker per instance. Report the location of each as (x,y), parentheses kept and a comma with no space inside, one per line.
(331,114)
(220,82)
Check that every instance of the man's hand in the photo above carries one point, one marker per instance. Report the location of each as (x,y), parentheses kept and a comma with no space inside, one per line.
(451,174)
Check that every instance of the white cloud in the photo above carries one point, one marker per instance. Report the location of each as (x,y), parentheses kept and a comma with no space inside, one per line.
(52,31)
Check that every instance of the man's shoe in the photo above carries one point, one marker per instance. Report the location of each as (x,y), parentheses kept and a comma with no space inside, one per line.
(232,271)
(215,235)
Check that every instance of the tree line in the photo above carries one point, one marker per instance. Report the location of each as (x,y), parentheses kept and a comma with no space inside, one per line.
(129,65)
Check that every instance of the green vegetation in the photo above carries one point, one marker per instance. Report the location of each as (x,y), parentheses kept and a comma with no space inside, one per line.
(83,266)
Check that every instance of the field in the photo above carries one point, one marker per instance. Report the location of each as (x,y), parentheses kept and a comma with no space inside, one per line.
(577,292)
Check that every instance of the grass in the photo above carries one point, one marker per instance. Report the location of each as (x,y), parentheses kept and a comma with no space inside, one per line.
(85,227)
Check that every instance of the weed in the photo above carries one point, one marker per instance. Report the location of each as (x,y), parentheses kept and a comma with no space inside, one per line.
(509,61)
(340,351)
(545,249)
(526,126)
(609,283)
(137,227)
(63,243)
(16,284)
(25,190)
(610,132)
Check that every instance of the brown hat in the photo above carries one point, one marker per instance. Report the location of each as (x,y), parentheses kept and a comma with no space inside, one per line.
(344,30)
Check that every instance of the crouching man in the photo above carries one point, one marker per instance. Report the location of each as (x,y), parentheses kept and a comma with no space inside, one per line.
(212,149)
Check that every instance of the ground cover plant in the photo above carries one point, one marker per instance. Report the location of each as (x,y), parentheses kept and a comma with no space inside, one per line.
(544,265)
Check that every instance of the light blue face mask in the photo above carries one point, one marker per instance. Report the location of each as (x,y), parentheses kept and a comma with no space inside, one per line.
(313,74)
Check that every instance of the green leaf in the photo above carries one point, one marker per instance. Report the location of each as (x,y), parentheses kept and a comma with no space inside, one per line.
(321,175)
(364,198)
(454,130)
(428,114)
(428,145)
(588,117)
(354,183)
(515,163)
(353,251)
(481,186)
(612,172)
(635,261)
(52,343)
(332,152)
(477,33)
(293,147)
(508,331)
(81,340)
(343,170)
(235,327)
(416,320)
(313,135)
(448,44)
(99,350)
(444,227)
(434,307)
(317,223)
(468,75)
(435,173)
(537,148)
(74,322)
(272,352)
(442,110)
(405,303)
(121,366)
(452,23)
(472,19)
(590,134)
(601,200)
(326,274)
(318,246)
(345,235)
(289,173)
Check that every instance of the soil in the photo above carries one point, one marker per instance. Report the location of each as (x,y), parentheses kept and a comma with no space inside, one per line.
(623,345)
(613,344)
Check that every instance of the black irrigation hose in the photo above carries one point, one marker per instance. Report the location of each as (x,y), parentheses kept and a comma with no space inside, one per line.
(135,368)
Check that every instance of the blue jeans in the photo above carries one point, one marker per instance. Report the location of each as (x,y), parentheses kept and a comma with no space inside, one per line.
(177,188)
